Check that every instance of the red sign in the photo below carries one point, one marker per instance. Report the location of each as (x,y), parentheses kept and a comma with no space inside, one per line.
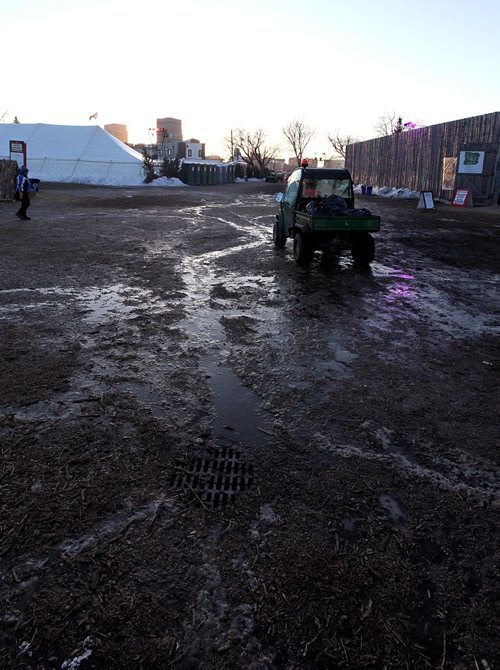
(461,197)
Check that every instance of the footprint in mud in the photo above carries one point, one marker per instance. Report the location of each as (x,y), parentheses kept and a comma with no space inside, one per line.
(393,509)
(350,526)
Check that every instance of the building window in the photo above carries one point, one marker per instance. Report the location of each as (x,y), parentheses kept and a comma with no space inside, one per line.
(190,153)
(199,153)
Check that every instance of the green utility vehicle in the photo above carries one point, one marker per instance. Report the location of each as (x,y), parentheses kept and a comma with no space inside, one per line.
(275,175)
(317,211)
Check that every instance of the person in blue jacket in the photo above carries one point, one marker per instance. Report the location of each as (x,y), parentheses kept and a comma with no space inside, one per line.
(23,185)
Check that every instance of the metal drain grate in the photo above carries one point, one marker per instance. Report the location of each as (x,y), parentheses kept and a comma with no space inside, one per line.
(214,479)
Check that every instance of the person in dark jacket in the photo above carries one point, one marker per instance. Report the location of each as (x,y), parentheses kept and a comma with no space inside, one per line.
(23,185)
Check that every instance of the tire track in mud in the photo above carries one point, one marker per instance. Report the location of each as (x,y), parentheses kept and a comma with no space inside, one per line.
(458,473)
(216,625)
(237,410)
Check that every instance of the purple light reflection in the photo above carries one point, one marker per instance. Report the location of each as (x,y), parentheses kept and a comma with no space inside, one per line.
(399,292)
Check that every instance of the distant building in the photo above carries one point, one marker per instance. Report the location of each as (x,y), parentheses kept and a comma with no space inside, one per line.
(118,130)
(334,163)
(277,165)
(145,149)
(170,144)
(317,163)
(191,149)
(168,137)
(292,163)
(168,129)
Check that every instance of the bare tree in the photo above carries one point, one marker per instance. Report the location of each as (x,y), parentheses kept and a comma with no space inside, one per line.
(340,142)
(166,146)
(298,136)
(387,124)
(252,148)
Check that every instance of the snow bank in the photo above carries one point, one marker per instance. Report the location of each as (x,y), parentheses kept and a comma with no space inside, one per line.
(390,192)
(166,181)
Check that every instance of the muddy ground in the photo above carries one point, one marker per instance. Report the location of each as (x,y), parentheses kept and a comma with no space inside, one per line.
(212,458)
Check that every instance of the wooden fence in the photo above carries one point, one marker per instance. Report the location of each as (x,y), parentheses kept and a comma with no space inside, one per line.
(415,159)
(8,172)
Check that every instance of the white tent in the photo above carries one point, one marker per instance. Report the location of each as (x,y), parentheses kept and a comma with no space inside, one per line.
(74,154)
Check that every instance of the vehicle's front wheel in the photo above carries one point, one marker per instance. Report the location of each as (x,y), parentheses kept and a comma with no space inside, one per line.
(364,249)
(278,238)
(303,250)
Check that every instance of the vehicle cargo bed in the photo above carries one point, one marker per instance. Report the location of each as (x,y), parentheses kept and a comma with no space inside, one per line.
(313,222)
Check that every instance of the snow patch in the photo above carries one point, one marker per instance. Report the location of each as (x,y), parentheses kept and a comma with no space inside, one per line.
(166,181)
(268,515)
(75,662)
(240,180)
(390,192)
(24,648)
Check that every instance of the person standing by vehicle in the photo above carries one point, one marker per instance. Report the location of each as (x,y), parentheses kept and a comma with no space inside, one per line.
(23,186)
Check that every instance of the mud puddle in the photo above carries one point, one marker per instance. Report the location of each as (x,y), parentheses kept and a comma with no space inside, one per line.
(237,409)
(119,300)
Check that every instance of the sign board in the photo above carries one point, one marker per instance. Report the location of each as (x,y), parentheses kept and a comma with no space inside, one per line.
(17,150)
(461,197)
(471,162)
(426,200)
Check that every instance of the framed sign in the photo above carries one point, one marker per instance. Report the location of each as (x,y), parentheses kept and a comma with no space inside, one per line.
(471,162)
(426,200)
(461,197)
(17,150)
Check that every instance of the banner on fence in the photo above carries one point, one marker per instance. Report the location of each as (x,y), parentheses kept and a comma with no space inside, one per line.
(449,171)
(471,162)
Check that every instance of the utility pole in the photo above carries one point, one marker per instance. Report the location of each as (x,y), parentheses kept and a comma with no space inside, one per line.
(232,150)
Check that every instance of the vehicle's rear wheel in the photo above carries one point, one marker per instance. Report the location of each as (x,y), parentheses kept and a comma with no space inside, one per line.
(278,238)
(303,250)
(364,249)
